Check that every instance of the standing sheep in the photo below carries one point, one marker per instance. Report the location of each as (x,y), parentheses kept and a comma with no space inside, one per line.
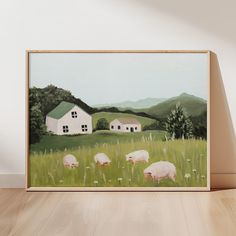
(70,161)
(102,159)
(137,156)
(160,170)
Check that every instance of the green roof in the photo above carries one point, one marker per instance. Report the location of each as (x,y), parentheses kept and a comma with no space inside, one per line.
(60,110)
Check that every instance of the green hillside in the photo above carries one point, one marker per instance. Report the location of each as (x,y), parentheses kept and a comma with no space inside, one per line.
(111,116)
(194,106)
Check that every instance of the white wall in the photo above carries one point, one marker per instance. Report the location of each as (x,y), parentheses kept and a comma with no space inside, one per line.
(75,124)
(112,24)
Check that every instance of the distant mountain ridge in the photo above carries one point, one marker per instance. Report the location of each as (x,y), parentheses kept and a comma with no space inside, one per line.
(50,96)
(139,104)
(193,106)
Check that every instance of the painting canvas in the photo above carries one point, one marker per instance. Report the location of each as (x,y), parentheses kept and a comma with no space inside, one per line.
(118,120)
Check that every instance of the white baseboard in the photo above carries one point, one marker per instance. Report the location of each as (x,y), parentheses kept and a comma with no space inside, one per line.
(218,180)
(12,181)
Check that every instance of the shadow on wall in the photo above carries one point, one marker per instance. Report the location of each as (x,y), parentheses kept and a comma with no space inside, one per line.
(219,21)
(223,149)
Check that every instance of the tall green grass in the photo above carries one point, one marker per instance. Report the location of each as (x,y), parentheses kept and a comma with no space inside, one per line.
(60,142)
(189,157)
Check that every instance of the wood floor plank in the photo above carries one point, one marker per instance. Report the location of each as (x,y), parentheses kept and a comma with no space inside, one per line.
(117,213)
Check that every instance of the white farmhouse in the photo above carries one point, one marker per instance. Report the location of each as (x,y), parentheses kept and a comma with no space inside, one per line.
(68,118)
(125,125)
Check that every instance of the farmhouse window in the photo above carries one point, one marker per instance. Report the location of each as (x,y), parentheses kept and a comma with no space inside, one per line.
(127,128)
(65,128)
(84,128)
(118,127)
(112,127)
(74,114)
(136,128)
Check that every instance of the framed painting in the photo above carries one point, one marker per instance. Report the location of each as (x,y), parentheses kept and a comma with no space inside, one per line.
(118,120)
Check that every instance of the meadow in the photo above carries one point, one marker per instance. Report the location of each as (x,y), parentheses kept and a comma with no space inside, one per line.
(56,142)
(46,162)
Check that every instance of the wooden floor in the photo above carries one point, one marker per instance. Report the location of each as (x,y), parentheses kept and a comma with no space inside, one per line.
(119,213)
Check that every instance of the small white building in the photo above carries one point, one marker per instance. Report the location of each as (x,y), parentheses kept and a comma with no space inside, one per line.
(67,118)
(125,125)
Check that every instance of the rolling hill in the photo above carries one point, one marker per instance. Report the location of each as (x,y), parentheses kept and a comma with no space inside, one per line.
(109,116)
(194,106)
(142,103)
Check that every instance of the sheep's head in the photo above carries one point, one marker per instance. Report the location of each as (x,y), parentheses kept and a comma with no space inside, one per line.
(148,175)
(107,163)
(74,165)
(129,158)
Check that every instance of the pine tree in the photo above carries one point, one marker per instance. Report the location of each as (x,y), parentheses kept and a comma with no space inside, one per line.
(178,124)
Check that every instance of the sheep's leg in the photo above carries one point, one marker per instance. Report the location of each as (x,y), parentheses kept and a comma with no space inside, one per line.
(132,169)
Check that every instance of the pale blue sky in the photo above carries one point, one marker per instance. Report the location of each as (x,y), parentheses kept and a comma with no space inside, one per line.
(108,78)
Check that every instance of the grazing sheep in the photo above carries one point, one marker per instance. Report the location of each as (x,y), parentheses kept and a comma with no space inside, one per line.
(70,161)
(102,159)
(160,170)
(137,156)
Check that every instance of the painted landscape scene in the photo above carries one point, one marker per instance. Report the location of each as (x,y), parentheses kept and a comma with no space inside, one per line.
(118,120)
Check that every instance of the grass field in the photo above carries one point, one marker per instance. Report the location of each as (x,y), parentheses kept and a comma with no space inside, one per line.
(109,116)
(57,143)
(189,157)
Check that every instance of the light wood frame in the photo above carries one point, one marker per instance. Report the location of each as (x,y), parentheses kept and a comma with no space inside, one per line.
(114,189)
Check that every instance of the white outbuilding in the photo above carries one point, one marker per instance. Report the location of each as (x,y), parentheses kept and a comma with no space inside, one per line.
(125,125)
(67,119)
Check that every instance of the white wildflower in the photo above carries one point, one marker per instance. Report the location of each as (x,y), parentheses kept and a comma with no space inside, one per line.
(187,176)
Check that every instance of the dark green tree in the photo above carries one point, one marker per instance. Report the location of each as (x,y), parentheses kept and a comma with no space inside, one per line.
(152,126)
(178,124)
(200,125)
(102,124)
(50,96)
(37,127)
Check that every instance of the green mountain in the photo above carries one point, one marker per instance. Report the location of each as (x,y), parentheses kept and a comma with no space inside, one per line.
(142,103)
(193,106)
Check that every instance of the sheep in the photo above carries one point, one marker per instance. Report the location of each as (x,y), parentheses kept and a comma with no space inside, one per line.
(160,170)
(138,156)
(102,159)
(70,161)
